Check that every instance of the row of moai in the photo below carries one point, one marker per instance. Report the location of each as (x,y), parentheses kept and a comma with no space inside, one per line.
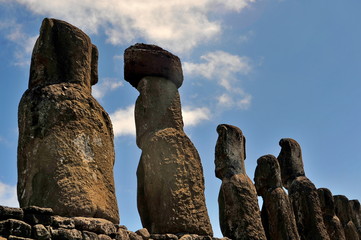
(66,153)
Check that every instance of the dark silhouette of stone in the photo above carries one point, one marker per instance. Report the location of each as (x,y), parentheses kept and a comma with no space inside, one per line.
(343,211)
(356,215)
(332,222)
(302,192)
(170,175)
(239,214)
(66,150)
(280,220)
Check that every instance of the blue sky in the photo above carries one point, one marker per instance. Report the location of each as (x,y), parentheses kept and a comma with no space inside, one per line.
(273,68)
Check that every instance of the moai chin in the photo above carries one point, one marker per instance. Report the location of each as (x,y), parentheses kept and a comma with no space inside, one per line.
(239,214)
(332,222)
(344,213)
(302,192)
(170,175)
(66,150)
(277,215)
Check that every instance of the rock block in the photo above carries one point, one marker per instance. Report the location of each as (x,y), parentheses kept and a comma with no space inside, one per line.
(15,227)
(13,213)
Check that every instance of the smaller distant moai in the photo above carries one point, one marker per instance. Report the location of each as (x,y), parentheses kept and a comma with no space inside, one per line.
(356,215)
(343,211)
(66,149)
(170,174)
(302,192)
(239,214)
(277,215)
(332,222)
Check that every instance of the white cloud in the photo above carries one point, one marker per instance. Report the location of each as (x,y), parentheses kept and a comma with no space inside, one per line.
(123,121)
(24,43)
(104,86)
(225,69)
(178,25)
(195,116)
(8,195)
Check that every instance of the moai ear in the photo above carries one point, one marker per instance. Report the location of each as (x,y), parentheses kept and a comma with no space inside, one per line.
(94,65)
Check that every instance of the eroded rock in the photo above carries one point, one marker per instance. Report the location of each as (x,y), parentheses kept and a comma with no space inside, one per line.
(65,151)
(170,175)
(239,214)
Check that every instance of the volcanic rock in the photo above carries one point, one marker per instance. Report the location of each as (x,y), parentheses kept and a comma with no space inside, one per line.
(66,150)
(277,209)
(170,175)
(356,215)
(239,214)
(332,222)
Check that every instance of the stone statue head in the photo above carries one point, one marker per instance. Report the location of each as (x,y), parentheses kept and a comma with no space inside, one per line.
(230,151)
(290,161)
(267,174)
(63,54)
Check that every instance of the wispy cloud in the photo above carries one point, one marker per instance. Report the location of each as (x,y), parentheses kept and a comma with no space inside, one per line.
(123,121)
(24,43)
(178,25)
(195,116)
(8,195)
(104,86)
(226,70)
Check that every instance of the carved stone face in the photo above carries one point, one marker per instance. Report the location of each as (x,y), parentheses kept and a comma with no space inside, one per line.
(230,151)
(63,53)
(267,174)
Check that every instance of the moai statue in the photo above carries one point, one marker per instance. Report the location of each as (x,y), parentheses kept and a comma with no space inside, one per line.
(66,150)
(277,214)
(239,214)
(356,215)
(302,192)
(343,211)
(332,222)
(170,175)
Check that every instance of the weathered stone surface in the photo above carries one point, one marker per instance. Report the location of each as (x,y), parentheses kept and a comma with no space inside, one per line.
(40,232)
(122,234)
(170,174)
(142,60)
(302,192)
(66,234)
(356,215)
(104,237)
(290,160)
(230,148)
(343,212)
(332,222)
(164,237)
(13,213)
(11,237)
(134,236)
(66,150)
(280,223)
(89,235)
(15,227)
(62,222)
(97,225)
(37,215)
(239,214)
(143,233)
